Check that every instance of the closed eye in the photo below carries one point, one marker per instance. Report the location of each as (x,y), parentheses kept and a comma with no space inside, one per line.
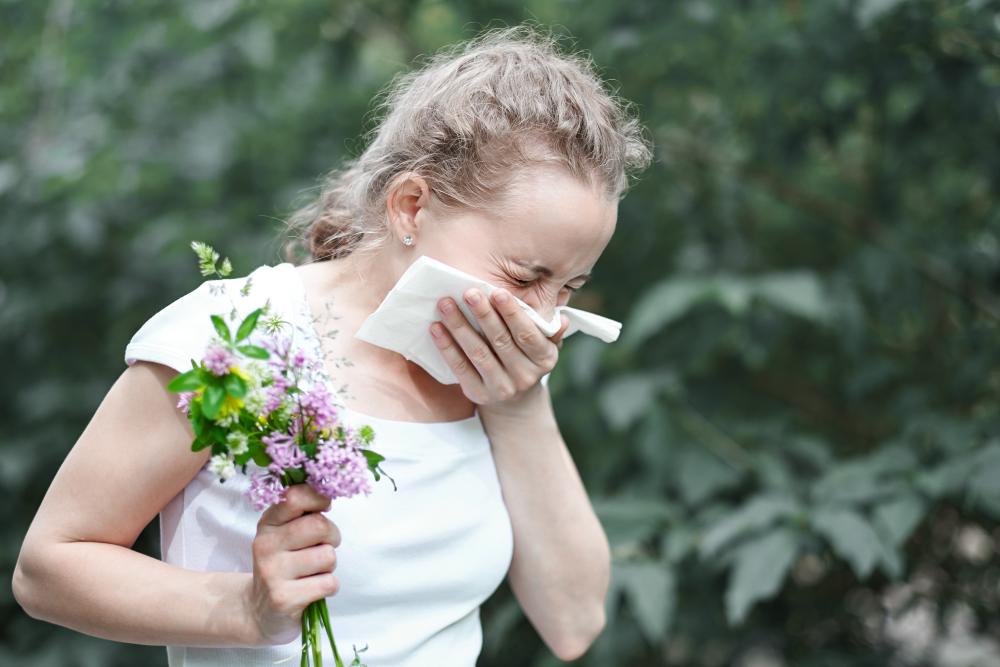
(524,283)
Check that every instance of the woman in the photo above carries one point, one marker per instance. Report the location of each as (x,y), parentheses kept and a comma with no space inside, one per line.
(503,158)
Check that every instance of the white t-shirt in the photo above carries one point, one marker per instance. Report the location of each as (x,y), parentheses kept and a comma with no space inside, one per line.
(414,564)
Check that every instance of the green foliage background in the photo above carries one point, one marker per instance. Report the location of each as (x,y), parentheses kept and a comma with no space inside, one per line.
(801,415)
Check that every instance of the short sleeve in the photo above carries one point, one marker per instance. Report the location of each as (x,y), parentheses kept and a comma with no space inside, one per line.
(180,331)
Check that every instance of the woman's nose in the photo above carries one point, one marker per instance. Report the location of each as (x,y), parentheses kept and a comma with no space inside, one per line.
(542,307)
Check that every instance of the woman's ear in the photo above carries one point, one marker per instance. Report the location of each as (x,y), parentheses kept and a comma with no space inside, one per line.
(408,194)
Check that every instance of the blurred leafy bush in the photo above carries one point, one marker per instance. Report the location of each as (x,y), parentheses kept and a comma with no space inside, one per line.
(795,440)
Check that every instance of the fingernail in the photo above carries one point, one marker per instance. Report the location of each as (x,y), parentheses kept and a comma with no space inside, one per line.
(501,297)
(472,298)
(445,306)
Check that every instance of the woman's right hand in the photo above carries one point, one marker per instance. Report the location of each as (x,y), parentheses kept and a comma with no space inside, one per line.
(293,561)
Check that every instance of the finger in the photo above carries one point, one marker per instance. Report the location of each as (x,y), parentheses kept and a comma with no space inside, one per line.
(495,329)
(525,333)
(464,370)
(316,559)
(298,593)
(309,530)
(471,342)
(299,499)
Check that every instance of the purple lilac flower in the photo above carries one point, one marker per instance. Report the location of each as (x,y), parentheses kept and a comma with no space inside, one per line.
(218,359)
(338,471)
(318,406)
(284,452)
(279,347)
(299,358)
(275,392)
(184,401)
(265,490)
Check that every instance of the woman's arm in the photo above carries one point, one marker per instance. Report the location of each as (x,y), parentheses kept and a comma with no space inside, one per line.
(76,567)
(561,567)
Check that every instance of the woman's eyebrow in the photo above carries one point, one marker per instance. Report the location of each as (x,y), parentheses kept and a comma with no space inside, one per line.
(545,271)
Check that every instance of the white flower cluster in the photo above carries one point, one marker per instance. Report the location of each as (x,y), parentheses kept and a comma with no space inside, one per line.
(222,465)
(237,442)
(254,400)
(257,372)
(228,419)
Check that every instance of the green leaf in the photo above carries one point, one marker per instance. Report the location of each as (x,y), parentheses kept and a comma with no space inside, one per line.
(218,433)
(700,474)
(647,510)
(632,519)
(214,395)
(222,328)
(254,351)
(948,478)
(899,517)
(857,481)
(851,536)
(625,399)
(259,454)
(982,489)
(761,565)
(760,512)
(677,542)
(188,381)
(248,324)
(796,292)
(656,308)
(235,385)
(650,587)
(200,444)
(373,459)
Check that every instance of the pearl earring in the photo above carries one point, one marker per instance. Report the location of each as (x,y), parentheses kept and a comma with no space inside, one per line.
(407,240)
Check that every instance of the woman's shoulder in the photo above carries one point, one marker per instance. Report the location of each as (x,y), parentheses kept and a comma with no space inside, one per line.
(180,331)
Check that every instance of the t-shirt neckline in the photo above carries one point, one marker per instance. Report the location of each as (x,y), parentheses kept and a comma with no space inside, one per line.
(306,314)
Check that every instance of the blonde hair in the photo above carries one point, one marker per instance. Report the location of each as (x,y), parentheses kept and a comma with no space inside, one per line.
(470,121)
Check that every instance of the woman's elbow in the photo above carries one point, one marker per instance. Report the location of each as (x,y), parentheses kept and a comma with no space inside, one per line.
(28,579)
(573,648)
(22,585)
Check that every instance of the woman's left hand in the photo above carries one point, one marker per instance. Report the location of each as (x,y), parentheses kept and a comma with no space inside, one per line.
(507,359)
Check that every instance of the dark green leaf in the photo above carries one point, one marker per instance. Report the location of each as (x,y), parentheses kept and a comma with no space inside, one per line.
(187,381)
(214,396)
(254,351)
(235,385)
(247,325)
(221,328)
(759,569)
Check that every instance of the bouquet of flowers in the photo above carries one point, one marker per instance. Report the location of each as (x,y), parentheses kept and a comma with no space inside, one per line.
(247,403)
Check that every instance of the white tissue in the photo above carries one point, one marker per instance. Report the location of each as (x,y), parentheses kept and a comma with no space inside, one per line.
(402,321)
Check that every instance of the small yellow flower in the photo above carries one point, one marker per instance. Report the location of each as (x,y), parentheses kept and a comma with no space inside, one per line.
(236,370)
(229,405)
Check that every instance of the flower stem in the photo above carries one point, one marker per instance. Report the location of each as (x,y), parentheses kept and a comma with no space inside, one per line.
(304,662)
(314,636)
(325,617)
